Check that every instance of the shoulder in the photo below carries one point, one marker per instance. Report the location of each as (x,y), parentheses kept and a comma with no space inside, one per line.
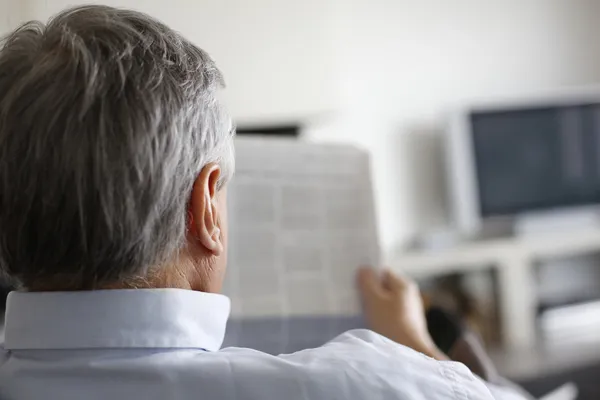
(358,364)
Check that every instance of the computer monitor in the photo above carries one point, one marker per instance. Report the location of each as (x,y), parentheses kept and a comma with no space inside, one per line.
(517,157)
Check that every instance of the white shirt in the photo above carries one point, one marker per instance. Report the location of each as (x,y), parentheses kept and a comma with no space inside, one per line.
(164,344)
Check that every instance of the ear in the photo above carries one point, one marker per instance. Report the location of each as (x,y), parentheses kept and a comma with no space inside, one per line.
(205,221)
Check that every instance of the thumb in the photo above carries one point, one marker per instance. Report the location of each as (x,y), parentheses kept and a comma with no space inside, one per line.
(369,283)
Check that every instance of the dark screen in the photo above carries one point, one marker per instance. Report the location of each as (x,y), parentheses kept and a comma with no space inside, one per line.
(537,158)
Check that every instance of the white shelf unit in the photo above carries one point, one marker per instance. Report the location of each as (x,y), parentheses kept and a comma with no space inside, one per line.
(514,260)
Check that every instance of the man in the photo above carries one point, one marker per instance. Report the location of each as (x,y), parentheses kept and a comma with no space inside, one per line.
(114,161)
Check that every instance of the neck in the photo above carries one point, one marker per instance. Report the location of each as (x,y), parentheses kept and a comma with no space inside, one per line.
(183,274)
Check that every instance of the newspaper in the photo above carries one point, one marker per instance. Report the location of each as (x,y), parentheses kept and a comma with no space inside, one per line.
(301,220)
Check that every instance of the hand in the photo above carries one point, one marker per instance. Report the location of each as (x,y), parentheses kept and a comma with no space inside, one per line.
(393,308)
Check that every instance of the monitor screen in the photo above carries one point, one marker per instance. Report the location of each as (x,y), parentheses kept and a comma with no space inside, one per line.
(536,158)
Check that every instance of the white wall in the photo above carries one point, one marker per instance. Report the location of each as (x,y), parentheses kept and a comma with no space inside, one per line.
(381,73)
(3,16)
(7,16)
(273,53)
(405,63)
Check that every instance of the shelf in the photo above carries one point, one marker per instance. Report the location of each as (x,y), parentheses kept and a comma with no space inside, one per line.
(480,254)
(524,364)
(513,259)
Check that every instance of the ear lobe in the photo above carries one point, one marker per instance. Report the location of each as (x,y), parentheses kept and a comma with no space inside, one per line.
(206,221)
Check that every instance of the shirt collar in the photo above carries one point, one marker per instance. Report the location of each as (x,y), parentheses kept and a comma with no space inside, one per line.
(134,318)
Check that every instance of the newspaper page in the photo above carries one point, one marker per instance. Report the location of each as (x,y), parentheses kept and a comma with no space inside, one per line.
(301,221)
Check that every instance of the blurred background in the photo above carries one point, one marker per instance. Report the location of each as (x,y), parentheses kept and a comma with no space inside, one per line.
(419,84)
(380,73)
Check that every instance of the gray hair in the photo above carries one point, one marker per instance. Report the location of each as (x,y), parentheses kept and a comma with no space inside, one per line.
(107,116)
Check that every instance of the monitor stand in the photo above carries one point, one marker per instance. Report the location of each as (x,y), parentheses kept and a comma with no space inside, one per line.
(557,221)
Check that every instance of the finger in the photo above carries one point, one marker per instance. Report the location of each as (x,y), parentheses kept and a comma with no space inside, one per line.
(369,283)
(394,282)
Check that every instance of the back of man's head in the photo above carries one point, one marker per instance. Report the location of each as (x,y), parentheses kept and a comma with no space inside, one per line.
(106,118)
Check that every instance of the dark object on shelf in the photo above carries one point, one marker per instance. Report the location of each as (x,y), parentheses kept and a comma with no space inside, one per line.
(444,328)
(290,131)
(452,337)
(4,291)
(476,311)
